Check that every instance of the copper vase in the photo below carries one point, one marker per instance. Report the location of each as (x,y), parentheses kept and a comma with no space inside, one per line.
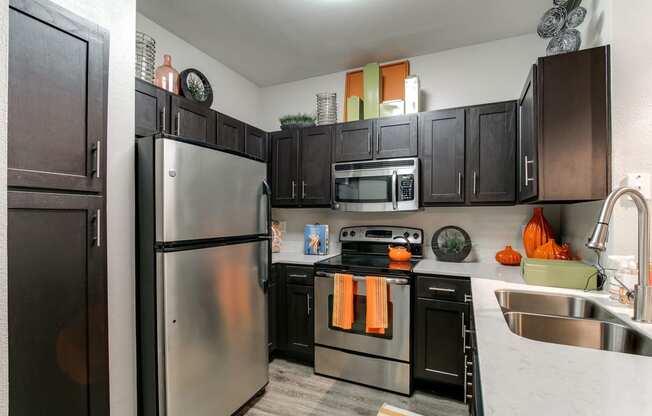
(166,76)
(537,232)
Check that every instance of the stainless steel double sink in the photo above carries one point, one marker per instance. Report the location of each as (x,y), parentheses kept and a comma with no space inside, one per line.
(569,320)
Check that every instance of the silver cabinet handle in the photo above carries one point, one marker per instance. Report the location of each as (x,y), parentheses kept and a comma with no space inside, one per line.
(163,117)
(459,183)
(178,123)
(303,189)
(98,158)
(300,276)
(441,289)
(308,308)
(298,344)
(468,298)
(527,174)
(98,228)
(294,189)
(394,185)
(463,336)
(475,183)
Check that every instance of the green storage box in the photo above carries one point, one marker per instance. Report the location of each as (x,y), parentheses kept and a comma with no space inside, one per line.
(354,108)
(392,108)
(559,273)
(372,90)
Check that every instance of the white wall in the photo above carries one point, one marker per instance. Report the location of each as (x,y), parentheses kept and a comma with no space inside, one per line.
(119,17)
(488,72)
(232,93)
(4,362)
(490,228)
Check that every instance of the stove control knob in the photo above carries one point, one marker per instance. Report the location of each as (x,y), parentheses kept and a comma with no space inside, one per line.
(416,236)
(352,233)
(345,233)
(406,234)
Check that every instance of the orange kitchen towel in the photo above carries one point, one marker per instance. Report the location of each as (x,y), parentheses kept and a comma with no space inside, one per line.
(343,294)
(377,305)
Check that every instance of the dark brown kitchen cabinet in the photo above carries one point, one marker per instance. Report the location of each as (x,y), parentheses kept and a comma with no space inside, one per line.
(230,133)
(491,153)
(192,120)
(284,167)
(442,156)
(565,129)
(58,345)
(300,321)
(315,165)
(152,109)
(396,137)
(256,143)
(440,334)
(353,141)
(57,99)
(272,310)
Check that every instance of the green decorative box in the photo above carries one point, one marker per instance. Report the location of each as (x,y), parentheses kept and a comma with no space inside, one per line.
(559,273)
(354,108)
(392,108)
(372,90)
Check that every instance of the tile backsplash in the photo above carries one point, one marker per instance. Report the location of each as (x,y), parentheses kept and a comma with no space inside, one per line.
(490,228)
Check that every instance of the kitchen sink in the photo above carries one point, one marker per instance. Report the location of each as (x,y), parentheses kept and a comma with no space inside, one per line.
(587,333)
(569,320)
(553,304)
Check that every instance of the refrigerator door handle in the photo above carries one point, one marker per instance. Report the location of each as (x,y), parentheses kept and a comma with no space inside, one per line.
(267,190)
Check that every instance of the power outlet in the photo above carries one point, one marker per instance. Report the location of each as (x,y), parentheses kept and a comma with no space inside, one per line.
(641,182)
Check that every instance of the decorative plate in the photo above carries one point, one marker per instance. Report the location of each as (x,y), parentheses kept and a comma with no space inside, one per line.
(575,17)
(195,86)
(451,244)
(552,22)
(569,40)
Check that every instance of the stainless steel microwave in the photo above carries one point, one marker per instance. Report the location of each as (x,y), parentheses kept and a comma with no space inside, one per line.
(376,186)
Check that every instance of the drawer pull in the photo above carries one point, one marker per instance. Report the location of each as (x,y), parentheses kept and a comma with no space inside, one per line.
(441,289)
(298,344)
(300,276)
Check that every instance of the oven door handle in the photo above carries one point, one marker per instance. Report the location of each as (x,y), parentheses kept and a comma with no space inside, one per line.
(394,191)
(390,280)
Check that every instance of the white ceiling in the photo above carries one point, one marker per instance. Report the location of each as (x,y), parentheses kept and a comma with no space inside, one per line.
(276,41)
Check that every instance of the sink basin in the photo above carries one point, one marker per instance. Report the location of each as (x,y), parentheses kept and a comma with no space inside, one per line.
(587,333)
(553,304)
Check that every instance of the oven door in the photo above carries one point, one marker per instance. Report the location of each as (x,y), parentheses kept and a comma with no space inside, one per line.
(394,344)
(377,186)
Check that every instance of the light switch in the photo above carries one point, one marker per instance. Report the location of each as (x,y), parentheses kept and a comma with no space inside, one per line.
(641,182)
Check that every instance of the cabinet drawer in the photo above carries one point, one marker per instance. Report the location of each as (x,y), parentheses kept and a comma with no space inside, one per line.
(444,288)
(299,275)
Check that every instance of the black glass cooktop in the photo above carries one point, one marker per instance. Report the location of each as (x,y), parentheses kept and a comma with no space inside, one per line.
(365,263)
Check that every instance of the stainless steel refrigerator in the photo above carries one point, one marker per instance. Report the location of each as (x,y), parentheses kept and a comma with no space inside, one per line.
(203,220)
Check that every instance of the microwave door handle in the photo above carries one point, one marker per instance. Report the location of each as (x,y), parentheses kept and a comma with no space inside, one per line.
(394,186)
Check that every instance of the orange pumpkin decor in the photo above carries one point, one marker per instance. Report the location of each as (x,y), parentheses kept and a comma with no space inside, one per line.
(553,251)
(537,232)
(508,257)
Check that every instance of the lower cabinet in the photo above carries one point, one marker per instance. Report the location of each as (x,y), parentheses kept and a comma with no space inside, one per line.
(300,320)
(272,311)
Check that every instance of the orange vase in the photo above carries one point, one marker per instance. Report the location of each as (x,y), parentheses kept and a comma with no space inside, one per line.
(166,76)
(508,257)
(537,232)
(553,251)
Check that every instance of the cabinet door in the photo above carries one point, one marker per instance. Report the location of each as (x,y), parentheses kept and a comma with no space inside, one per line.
(440,341)
(491,153)
(152,109)
(353,141)
(192,120)
(528,139)
(272,310)
(396,137)
(255,143)
(230,133)
(315,165)
(300,320)
(57,87)
(58,347)
(442,156)
(285,172)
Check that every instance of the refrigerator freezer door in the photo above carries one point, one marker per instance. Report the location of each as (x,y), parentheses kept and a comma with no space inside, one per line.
(214,328)
(204,193)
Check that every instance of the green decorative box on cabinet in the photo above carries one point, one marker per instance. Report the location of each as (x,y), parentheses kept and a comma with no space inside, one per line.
(372,92)
(354,108)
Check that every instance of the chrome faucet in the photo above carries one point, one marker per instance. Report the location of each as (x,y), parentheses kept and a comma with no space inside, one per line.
(597,241)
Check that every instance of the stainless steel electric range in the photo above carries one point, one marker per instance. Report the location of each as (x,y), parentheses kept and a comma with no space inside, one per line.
(381,361)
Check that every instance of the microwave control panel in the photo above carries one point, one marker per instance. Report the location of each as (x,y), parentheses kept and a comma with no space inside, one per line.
(405,188)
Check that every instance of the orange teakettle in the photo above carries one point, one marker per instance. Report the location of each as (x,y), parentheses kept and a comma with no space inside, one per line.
(399,252)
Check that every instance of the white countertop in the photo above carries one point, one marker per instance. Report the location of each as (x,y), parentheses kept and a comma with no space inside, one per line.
(493,271)
(295,257)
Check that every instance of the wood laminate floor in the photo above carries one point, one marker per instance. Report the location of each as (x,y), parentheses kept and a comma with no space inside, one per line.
(294,390)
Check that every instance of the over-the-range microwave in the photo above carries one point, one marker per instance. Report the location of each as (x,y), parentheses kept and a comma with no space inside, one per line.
(377,185)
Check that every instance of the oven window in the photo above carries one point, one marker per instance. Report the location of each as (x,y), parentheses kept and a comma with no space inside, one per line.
(360,313)
(365,189)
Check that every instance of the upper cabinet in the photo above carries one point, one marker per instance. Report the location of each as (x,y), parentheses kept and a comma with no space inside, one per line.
(57,100)
(230,133)
(564,129)
(383,138)
(301,167)
(152,109)
(255,143)
(491,153)
(192,120)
